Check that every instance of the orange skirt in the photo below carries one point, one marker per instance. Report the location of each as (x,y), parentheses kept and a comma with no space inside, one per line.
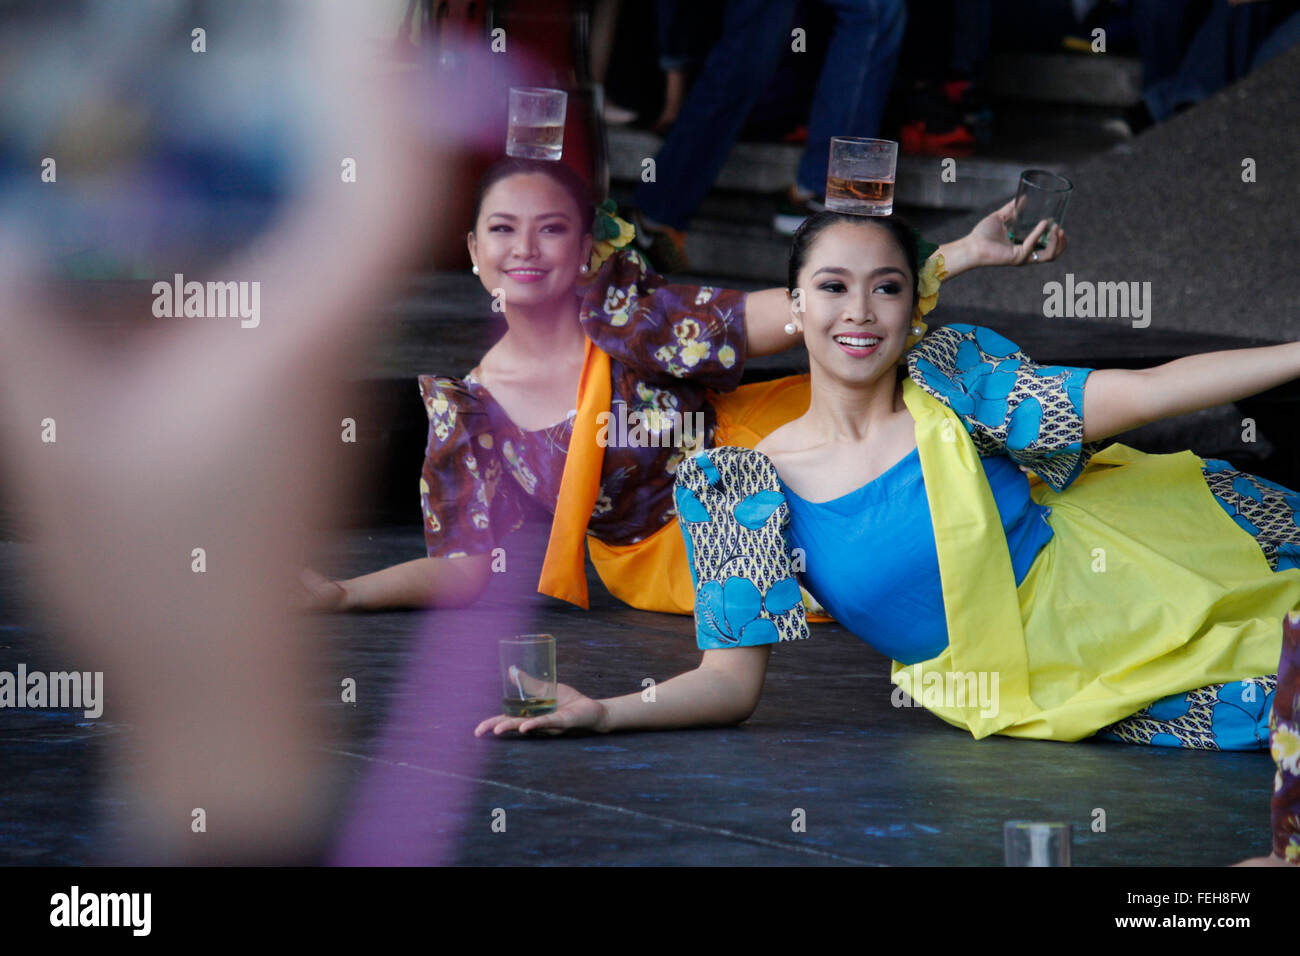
(653,574)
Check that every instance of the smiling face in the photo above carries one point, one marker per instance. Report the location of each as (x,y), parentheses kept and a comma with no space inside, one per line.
(529,240)
(857,301)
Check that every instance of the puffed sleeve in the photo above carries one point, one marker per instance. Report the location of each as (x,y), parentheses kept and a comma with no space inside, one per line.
(1010,404)
(666,332)
(467,508)
(733,516)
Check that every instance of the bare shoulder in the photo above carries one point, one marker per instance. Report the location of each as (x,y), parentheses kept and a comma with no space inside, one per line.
(779,443)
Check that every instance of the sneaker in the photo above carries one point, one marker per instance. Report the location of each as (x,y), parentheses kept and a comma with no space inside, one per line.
(616,115)
(917,139)
(664,246)
(794,209)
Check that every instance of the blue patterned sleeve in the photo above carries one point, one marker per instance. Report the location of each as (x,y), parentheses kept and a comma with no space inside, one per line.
(1008,403)
(733,517)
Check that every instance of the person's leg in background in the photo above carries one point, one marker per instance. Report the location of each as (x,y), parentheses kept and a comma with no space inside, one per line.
(971,31)
(854,85)
(734,75)
(781,112)
(604,20)
(1220,52)
(677,27)
(1284,35)
(1164,29)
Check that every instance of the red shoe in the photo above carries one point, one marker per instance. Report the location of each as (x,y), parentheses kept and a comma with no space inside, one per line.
(912,137)
(917,140)
(797,135)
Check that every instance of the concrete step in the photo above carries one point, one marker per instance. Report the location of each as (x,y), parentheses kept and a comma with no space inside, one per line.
(768,168)
(732,234)
(1097,79)
(1175,208)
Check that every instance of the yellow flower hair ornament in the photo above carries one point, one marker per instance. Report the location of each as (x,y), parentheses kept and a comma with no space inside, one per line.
(927,293)
(608,233)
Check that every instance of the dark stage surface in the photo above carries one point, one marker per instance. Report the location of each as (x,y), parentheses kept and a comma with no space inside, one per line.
(877,784)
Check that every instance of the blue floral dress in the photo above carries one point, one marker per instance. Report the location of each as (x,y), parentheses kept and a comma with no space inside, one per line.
(736,519)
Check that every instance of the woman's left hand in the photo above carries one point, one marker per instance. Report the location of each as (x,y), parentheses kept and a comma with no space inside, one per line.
(573,711)
(988,244)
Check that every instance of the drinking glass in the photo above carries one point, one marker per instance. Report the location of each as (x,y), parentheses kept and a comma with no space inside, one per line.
(536,125)
(528,685)
(860,177)
(1041,195)
(1036,844)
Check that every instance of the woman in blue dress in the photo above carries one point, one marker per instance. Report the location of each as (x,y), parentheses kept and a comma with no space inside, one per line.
(946,499)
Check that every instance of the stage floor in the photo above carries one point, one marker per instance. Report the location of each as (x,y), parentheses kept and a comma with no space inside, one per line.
(877,785)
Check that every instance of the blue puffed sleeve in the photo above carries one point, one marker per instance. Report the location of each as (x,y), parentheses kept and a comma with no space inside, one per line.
(1009,404)
(733,517)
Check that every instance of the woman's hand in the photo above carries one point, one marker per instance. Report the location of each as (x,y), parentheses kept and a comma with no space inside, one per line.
(573,712)
(319,593)
(987,244)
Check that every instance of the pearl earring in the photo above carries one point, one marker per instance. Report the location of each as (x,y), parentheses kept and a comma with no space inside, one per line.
(790,328)
(917,330)
(584,268)
(474,270)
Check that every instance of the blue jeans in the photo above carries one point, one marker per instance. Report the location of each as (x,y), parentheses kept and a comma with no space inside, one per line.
(1227,43)
(850,98)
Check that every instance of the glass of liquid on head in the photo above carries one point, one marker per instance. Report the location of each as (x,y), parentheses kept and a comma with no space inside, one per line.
(860,176)
(536,126)
(528,684)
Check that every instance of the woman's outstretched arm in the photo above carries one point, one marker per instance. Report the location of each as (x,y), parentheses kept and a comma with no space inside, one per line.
(723,690)
(1115,400)
(424,582)
(767,311)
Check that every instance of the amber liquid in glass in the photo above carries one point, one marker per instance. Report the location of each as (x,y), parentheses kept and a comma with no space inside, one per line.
(862,196)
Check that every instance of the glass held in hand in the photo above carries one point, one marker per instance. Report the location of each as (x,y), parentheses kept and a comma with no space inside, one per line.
(1041,195)
(528,681)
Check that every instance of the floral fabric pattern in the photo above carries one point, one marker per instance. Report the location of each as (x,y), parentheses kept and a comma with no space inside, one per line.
(1230,716)
(1268,511)
(1034,414)
(668,346)
(733,518)
(1285,728)
(1008,403)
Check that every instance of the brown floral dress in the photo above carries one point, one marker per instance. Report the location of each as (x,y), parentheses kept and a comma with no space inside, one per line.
(668,345)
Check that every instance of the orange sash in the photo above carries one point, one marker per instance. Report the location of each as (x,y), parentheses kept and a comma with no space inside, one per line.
(563,569)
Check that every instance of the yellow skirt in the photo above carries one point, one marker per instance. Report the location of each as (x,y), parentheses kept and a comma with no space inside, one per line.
(1147,588)
(653,574)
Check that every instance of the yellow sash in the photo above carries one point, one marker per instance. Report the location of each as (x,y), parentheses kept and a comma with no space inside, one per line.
(985,632)
(1122,608)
